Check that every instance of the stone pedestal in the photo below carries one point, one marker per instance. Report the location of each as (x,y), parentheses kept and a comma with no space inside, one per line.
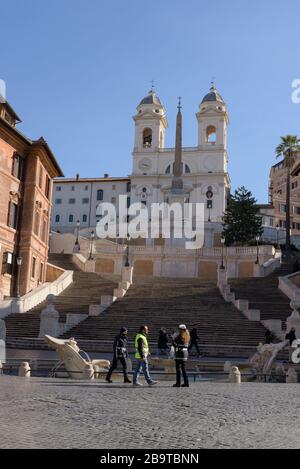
(90,266)
(222,277)
(291,376)
(49,324)
(127,273)
(24,370)
(235,375)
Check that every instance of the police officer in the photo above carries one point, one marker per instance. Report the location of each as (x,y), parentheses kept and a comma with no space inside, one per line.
(120,353)
(181,344)
(141,355)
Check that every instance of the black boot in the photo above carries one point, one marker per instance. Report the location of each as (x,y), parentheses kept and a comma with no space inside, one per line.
(108,379)
(127,380)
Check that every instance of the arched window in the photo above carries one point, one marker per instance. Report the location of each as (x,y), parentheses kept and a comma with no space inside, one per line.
(84,218)
(147,138)
(57,218)
(187,169)
(71,218)
(99,194)
(211,134)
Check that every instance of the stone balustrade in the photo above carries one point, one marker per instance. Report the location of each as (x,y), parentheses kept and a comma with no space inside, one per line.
(36,296)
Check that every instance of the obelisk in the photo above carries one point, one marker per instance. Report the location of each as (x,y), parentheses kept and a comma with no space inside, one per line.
(177,182)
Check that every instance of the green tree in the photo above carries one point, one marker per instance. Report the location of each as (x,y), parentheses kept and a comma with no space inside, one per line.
(288,149)
(241,221)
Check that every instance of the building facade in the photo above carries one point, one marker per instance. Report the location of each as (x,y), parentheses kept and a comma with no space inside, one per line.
(77,200)
(277,196)
(27,169)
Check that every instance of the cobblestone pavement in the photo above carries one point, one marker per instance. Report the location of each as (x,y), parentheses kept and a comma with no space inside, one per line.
(44,413)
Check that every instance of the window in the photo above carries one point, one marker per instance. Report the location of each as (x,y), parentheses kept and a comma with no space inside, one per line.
(209,204)
(297,210)
(58,188)
(114,187)
(72,188)
(58,201)
(48,185)
(17,166)
(72,201)
(41,177)
(84,218)
(71,218)
(41,279)
(86,188)
(211,134)
(128,202)
(187,169)
(8,263)
(33,267)
(147,138)
(44,231)
(13,210)
(99,194)
(128,186)
(85,200)
(37,223)
(57,218)
(294,185)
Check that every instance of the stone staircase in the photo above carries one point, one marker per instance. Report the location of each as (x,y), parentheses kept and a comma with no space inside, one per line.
(164,302)
(86,289)
(263,294)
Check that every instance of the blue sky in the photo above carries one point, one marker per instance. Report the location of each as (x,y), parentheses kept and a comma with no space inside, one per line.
(76,70)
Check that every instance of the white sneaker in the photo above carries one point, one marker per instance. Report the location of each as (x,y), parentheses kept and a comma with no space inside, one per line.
(137,385)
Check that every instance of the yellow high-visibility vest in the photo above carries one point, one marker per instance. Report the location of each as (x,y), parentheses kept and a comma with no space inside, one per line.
(145,346)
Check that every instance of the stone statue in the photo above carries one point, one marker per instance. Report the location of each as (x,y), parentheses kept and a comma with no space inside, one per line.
(77,366)
(2,330)
(261,363)
(49,323)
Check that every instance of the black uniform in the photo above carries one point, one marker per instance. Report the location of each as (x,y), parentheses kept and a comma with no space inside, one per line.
(120,353)
(194,341)
(181,355)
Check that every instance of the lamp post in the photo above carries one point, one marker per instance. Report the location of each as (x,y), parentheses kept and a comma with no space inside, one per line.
(222,264)
(127,252)
(19,263)
(277,236)
(209,217)
(257,249)
(92,245)
(77,245)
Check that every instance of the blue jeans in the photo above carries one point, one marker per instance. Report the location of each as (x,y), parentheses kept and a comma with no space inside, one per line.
(141,364)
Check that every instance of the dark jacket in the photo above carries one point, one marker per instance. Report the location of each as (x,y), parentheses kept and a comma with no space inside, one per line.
(163,340)
(181,348)
(120,346)
(291,336)
(194,335)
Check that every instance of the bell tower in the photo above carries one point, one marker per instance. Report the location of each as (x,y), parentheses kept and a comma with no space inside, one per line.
(213,120)
(150,124)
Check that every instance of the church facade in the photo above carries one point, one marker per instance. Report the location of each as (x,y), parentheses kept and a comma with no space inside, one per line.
(204,168)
